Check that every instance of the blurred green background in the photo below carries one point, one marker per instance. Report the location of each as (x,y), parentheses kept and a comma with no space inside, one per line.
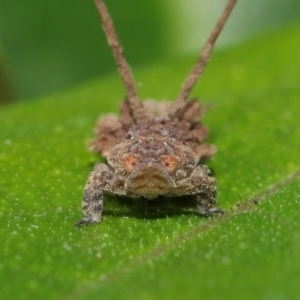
(49,46)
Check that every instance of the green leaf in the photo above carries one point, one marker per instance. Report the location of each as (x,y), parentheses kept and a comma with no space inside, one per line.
(164,251)
(52,45)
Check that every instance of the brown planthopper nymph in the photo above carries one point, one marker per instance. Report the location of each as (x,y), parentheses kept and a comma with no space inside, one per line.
(152,148)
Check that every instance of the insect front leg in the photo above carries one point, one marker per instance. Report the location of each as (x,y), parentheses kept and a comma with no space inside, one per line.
(92,201)
(206,198)
(204,187)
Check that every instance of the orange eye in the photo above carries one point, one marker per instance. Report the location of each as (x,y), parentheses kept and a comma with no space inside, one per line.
(170,163)
(129,162)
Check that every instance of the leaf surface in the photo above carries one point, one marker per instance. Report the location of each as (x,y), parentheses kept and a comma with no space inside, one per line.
(164,250)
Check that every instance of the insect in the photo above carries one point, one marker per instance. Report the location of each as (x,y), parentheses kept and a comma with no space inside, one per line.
(152,148)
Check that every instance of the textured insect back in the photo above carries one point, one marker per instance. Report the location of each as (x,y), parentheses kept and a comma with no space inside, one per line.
(152,149)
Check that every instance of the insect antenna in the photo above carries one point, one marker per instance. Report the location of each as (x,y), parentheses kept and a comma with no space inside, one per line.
(136,106)
(199,67)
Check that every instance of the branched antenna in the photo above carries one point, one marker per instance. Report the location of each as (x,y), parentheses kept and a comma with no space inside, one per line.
(135,103)
(199,67)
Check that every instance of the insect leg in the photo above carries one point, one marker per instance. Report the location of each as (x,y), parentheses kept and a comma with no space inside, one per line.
(204,187)
(206,198)
(92,201)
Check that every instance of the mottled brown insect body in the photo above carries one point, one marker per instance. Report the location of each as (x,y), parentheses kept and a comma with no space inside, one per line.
(153,148)
(150,159)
